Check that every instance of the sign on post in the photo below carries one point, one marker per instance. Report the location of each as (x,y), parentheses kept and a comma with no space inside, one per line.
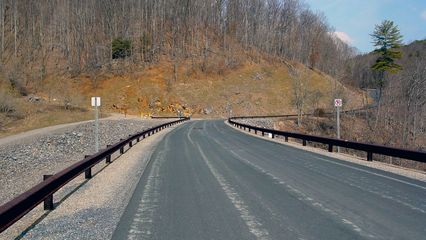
(338,103)
(96,102)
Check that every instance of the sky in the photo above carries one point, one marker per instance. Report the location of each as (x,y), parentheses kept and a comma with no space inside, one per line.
(354,20)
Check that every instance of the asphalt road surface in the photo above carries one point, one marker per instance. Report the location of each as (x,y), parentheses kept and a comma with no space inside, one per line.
(209,181)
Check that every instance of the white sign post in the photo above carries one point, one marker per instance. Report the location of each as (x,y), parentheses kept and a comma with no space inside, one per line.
(96,102)
(338,103)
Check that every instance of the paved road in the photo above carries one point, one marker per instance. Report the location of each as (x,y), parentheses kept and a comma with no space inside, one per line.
(209,181)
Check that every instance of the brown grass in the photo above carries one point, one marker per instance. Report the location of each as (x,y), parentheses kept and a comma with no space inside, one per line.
(39,116)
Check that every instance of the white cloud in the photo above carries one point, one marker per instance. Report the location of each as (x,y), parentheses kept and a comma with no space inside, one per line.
(424,15)
(344,37)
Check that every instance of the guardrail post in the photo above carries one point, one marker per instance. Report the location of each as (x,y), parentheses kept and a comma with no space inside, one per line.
(286,138)
(108,158)
(273,135)
(304,142)
(131,144)
(369,156)
(330,147)
(255,131)
(249,129)
(48,201)
(263,133)
(88,172)
(121,150)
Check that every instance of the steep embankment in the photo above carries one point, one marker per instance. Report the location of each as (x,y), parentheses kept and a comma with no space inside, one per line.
(251,88)
(263,86)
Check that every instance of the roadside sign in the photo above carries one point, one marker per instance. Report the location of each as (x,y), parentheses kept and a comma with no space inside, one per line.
(338,102)
(96,101)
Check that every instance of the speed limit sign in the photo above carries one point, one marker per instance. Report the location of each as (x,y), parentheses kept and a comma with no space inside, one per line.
(338,102)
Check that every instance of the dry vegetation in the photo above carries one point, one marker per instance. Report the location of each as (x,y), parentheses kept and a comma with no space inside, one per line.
(202,57)
(261,87)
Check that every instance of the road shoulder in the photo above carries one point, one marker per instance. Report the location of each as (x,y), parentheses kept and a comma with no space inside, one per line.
(94,208)
(405,172)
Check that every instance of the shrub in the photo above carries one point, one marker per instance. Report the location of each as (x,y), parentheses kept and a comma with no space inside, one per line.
(319,112)
(121,48)
(7,103)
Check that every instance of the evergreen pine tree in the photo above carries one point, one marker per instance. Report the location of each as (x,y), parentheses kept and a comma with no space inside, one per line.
(388,39)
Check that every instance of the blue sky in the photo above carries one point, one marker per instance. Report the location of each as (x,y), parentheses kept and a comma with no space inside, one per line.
(354,20)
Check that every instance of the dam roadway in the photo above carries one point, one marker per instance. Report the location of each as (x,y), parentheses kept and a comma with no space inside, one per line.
(206,180)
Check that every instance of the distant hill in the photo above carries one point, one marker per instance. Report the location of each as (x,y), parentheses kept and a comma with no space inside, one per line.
(358,70)
(400,115)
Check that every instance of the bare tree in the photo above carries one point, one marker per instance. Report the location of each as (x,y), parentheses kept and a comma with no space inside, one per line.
(300,91)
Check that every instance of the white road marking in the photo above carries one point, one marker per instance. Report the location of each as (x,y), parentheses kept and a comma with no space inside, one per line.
(373,173)
(142,223)
(374,191)
(253,225)
(300,195)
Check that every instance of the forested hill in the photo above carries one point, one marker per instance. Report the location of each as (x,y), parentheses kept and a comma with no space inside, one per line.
(360,74)
(148,57)
(403,105)
(77,35)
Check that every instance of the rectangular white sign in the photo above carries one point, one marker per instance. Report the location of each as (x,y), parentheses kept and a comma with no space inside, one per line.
(338,102)
(96,101)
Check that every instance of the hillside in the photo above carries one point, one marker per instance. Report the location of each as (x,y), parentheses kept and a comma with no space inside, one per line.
(264,87)
(400,120)
(252,88)
(142,57)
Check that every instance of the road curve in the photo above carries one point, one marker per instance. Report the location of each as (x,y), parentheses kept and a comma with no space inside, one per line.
(209,181)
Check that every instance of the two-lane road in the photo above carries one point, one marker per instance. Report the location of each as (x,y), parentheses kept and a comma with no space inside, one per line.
(209,181)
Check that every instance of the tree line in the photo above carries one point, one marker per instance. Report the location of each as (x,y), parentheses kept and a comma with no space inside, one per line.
(78,35)
(398,73)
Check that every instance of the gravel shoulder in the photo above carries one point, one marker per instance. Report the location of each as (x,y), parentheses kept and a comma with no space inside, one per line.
(90,209)
(24,159)
(406,172)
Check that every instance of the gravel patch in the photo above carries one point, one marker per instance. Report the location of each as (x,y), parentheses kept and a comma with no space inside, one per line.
(406,172)
(94,210)
(24,160)
(264,122)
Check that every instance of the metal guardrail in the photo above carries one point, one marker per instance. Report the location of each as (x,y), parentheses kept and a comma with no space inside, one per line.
(305,114)
(370,149)
(165,117)
(15,209)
